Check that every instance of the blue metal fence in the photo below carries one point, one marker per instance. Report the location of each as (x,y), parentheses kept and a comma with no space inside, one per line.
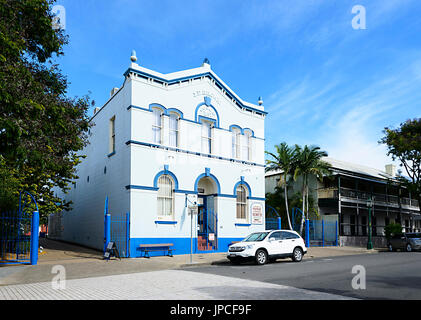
(321,233)
(117,230)
(15,237)
(273,223)
(120,233)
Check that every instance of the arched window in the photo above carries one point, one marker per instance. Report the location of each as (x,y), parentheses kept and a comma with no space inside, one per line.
(157,126)
(236,134)
(165,197)
(174,117)
(241,203)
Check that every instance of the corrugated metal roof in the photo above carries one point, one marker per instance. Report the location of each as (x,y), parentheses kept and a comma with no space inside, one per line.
(350,167)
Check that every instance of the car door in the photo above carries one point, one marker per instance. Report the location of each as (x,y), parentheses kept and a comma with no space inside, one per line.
(274,244)
(289,241)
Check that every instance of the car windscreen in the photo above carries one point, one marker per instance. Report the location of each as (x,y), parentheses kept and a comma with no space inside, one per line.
(413,235)
(258,236)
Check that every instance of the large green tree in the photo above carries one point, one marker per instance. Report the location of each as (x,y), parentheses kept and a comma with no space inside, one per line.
(308,162)
(282,160)
(41,128)
(404,145)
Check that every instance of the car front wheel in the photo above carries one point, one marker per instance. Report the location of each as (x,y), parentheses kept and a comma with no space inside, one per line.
(297,254)
(261,257)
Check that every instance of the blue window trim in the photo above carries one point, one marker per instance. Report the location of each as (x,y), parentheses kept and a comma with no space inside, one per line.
(256,198)
(181,114)
(207,174)
(111,154)
(244,183)
(243,224)
(165,222)
(158,106)
(242,130)
(209,105)
(137,187)
(164,172)
(175,110)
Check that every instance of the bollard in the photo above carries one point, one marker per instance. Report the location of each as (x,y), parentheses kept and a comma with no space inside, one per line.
(107,230)
(34,238)
(127,234)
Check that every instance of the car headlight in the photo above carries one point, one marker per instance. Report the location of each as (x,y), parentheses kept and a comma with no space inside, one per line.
(250,246)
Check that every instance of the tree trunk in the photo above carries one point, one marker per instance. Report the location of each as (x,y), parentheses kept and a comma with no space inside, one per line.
(304,205)
(286,206)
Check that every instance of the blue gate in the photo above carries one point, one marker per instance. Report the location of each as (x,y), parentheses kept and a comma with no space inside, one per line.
(207,222)
(120,233)
(117,230)
(322,233)
(19,233)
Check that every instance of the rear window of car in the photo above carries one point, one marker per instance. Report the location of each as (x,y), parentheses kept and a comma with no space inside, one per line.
(289,235)
(413,235)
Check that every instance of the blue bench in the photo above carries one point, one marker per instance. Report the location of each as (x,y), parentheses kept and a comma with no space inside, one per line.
(146,248)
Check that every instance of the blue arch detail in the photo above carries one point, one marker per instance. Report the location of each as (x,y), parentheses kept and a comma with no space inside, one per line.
(159,106)
(244,183)
(243,130)
(207,174)
(180,114)
(165,171)
(197,119)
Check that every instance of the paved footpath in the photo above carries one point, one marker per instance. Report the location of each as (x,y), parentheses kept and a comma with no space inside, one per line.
(159,285)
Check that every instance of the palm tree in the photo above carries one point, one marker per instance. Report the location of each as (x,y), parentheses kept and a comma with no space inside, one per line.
(283,161)
(308,162)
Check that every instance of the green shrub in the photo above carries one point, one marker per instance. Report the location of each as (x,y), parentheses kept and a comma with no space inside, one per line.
(392,229)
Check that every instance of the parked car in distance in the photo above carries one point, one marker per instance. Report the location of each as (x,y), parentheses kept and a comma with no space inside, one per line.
(268,246)
(406,241)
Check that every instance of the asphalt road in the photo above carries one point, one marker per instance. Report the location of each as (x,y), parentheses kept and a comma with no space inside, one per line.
(389,275)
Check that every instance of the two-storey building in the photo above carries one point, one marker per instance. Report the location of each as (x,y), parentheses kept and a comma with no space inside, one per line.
(158,139)
(348,195)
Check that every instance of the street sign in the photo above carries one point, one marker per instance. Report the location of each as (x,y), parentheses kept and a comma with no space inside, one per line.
(192,199)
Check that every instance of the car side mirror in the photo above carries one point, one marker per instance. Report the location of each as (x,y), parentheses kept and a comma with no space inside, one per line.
(271,239)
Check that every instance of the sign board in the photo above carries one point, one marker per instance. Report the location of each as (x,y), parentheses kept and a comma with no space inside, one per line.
(256,213)
(193,210)
(191,199)
(211,236)
(111,251)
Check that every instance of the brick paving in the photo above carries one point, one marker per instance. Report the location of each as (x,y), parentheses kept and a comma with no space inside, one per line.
(160,285)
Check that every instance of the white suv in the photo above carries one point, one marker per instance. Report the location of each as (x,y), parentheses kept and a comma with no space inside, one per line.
(268,245)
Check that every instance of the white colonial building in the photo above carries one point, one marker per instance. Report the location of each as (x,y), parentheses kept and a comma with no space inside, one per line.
(158,139)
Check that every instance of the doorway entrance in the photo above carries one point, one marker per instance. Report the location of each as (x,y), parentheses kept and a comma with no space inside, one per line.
(207,219)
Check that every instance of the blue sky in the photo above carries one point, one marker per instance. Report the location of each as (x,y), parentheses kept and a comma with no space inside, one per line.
(322,81)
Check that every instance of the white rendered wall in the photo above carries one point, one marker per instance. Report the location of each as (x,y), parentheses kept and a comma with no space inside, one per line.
(84,224)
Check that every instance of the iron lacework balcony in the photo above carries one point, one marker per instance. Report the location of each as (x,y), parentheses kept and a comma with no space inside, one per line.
(359,196)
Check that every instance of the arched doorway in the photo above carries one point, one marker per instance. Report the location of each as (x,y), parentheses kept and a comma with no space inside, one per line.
(207,219)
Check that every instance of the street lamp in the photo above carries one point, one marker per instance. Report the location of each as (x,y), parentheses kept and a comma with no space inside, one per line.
(369,241)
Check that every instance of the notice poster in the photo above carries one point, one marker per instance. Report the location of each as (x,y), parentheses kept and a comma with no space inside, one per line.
(257,213)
